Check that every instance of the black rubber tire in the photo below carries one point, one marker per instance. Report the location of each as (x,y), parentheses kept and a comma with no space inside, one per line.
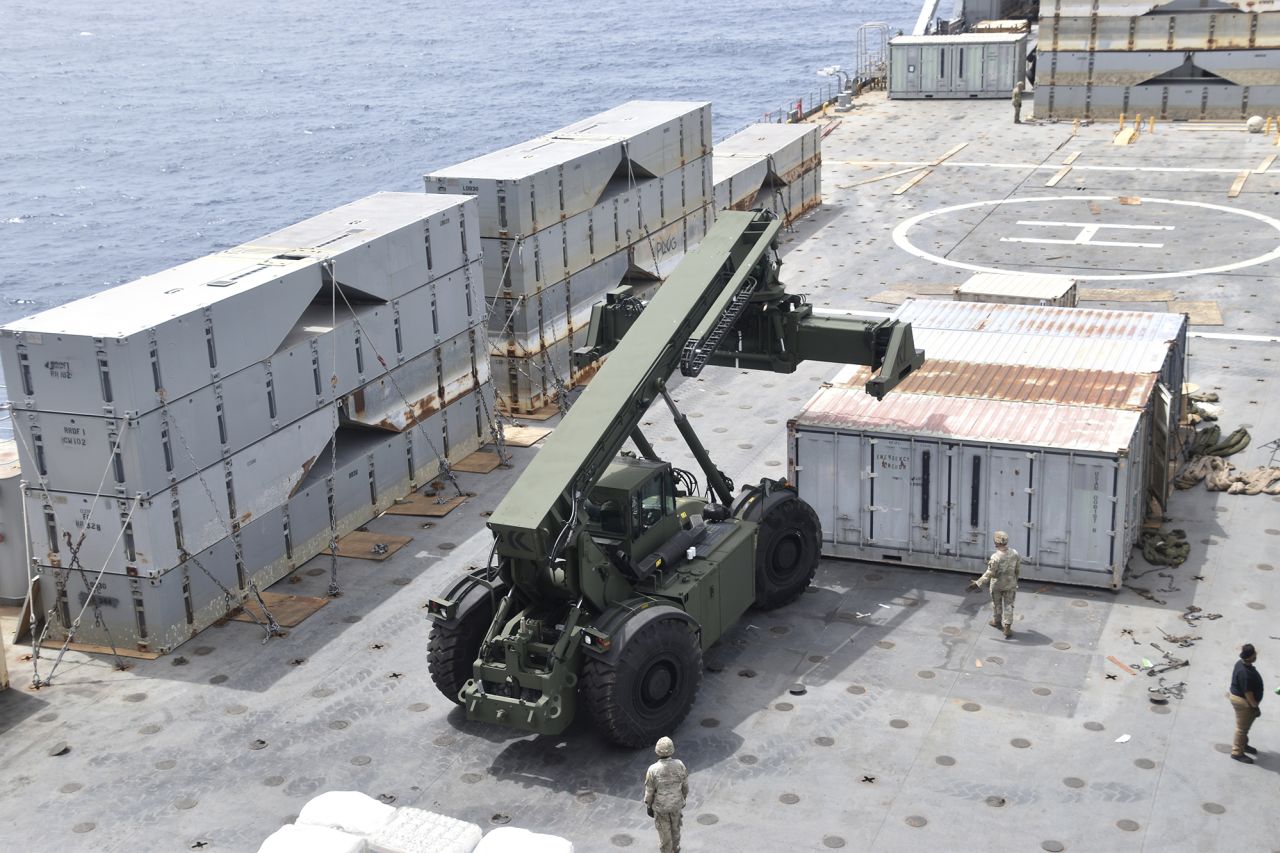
(452,651)
(651,687)
(788,546)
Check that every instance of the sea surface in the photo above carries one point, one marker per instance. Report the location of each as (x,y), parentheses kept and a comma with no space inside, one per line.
(135,136)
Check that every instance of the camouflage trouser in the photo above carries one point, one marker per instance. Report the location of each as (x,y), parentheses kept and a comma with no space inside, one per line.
(1002,606)
(668,824)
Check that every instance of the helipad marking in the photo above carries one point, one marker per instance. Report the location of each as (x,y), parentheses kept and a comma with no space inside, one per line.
(900,238)
(1086,235)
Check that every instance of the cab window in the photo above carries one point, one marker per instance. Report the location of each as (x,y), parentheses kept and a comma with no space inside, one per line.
(607,517)
(650,504)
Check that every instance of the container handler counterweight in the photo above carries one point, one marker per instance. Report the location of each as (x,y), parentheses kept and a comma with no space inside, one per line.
(609,575)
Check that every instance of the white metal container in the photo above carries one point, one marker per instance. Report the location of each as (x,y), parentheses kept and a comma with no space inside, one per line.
(1019,289)
(170,333)
(926,480)
(971,65)
(1169,31)
(658,254)
(192,515)
(790,149)
(738,179)
(13,538)
(1090,339)
(660,136)
(527,187)
(386,244)
(545,316)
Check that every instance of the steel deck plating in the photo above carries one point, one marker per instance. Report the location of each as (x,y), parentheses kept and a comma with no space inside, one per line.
(917,726)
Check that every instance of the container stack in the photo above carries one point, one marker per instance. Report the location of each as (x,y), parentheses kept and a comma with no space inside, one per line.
(1158,59)
(200,432)
(611,201)
(773,166)
(1056,425)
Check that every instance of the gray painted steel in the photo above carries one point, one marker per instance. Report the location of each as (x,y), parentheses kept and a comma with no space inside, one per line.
(144,738)
(973,65)
(13,540)
(886,496)
(386,244)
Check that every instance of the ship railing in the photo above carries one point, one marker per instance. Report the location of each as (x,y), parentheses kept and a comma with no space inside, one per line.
(803,106)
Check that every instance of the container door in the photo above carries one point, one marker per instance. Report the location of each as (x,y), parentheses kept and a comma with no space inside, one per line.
(1054,508)
(1091,544)
(928,520)
(1158,459)
(816,476)
(913,71)
(852,489)
(1011,507)
(971,504)
(890,494)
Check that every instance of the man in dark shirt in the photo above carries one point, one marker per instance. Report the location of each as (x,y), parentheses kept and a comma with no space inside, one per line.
(1246,693)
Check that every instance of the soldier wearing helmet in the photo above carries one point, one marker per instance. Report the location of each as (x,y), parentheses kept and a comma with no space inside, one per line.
(666,786)
(1004,567)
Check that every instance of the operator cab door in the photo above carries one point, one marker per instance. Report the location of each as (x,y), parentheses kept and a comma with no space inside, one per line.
(653,514)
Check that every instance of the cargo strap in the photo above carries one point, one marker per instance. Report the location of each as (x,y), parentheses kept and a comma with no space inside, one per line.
(59,578)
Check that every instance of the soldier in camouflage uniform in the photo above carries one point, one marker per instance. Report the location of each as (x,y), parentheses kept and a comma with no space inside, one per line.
(665,787)
(1003,570)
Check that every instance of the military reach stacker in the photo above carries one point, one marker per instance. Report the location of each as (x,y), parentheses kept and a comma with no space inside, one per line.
(609,574)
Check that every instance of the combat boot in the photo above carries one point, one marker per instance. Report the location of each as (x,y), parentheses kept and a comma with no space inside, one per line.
(1008,632)
(994,624)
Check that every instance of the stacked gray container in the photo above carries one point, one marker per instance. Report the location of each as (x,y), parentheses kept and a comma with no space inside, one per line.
(1158,59)
(213,426)
(773,166)
(569,216)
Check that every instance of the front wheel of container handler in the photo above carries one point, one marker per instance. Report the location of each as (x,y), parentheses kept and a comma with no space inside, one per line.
(649,689)
(788,546)
(452,650)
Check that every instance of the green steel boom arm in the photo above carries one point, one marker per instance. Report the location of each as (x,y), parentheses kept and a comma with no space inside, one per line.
(534,515)
(723,305)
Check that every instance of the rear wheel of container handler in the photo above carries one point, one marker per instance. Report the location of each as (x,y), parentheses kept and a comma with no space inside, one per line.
(452,649)
(788,545)
(648,690)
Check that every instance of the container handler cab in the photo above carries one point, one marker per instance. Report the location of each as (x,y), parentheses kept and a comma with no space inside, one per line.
(609,575)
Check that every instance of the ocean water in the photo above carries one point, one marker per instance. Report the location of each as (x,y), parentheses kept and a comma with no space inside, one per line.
(135,136)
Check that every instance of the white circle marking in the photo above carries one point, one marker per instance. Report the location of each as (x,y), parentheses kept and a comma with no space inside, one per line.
(900,238)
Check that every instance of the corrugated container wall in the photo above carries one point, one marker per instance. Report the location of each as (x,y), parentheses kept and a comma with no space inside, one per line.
(972,65)
(1054,424)
(773,166)
(926,481)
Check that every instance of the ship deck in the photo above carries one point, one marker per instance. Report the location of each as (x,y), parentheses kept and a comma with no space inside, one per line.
(917,726)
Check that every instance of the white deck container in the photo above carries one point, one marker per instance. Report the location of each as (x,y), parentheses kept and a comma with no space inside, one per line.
(789,149)
(926,480)
(384,245)
(1019,289)
(971,65)
(171,332)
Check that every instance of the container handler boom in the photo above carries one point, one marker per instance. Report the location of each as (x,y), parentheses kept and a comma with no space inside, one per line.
(610,576)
